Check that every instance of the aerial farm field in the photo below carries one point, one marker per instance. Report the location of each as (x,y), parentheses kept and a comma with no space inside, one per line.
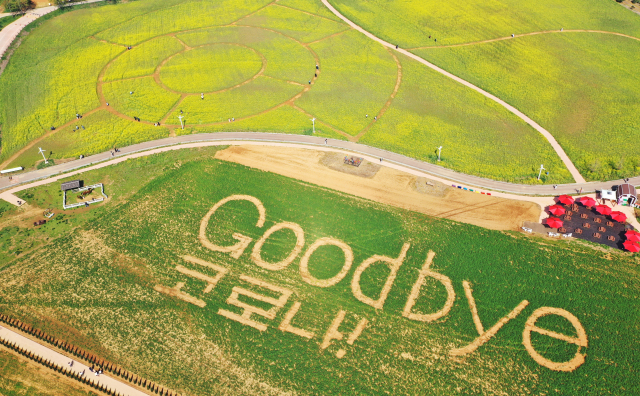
(267,82)
(569,66)
(211,277)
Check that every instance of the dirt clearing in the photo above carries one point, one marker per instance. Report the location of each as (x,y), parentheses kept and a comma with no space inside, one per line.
(388,186)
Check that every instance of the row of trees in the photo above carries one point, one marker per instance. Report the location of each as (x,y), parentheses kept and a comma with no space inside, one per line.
(21,6)
(17,5)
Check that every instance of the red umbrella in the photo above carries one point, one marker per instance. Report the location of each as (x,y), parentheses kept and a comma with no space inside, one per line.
(554,222)
(632,236)
(631,246)
(587,201)
(618,216)
(603,209)
(557,210)
(565,199)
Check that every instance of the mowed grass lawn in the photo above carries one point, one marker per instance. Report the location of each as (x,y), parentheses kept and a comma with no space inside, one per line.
(581,87)
(99,280)
(409,23)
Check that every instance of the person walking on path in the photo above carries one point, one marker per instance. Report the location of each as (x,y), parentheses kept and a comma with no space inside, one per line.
(325,141)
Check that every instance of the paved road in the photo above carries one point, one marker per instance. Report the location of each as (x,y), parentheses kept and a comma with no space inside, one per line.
(556,146)
(312,141)
(61,360)
(11,31)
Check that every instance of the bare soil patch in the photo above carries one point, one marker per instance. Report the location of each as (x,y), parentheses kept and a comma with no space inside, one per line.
(24,218)
(388,186)
(431,187)
(336,162)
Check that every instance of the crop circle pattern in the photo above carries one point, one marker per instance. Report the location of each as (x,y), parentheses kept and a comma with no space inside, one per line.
(240,71)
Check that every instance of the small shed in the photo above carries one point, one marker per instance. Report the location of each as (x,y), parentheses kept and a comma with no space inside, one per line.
(70,185)
(626,192)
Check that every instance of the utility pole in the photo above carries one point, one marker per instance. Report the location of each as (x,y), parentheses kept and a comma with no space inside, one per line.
(540,173)
(314,124)
(181,124)
(439,150)
(42,152)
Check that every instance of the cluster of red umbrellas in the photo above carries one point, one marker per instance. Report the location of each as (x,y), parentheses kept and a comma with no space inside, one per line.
(565,200)
(631,244)
(633,237)
(588,201)
(554,222)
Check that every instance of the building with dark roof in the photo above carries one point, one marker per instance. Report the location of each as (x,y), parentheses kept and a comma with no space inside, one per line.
(626,192)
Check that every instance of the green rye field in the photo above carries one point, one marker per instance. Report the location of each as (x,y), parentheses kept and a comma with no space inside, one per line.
(133,281)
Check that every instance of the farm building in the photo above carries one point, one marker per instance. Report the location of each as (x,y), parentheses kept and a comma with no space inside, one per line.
(70,185)
(626,192)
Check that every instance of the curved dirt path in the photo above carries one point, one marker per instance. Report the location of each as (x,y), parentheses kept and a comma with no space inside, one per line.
(556,146)
(524,35)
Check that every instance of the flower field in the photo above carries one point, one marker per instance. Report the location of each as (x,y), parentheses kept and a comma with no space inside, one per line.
(418,23)
(259,95)
(210,68)
(148,101)
(143,282)
(285,58)
(255,61)
(358,76)
(579,86)
(466,125)
(102,131)
(143,59)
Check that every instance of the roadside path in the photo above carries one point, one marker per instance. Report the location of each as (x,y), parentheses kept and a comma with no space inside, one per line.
(12,30)
(391,160)
(556,146)
(313,142)
(62,360)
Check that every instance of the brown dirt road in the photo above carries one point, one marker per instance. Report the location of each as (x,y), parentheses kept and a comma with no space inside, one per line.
(388,186)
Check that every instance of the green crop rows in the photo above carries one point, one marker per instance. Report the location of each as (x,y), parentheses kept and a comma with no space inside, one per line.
(100,279)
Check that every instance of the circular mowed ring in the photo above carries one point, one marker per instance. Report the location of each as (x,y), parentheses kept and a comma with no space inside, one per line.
(207,76)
